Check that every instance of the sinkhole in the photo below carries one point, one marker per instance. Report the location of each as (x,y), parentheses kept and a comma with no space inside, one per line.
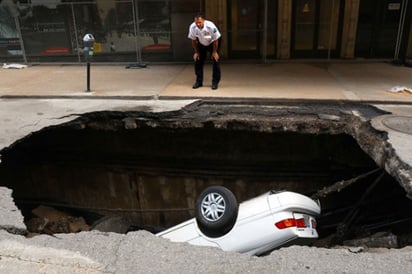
(150,169)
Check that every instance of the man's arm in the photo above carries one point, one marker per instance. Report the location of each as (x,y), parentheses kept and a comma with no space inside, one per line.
(194,46)
(215,55)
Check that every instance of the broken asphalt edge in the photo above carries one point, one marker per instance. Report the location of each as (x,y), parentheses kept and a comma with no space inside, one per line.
(205,98)
(11,219)
(385,156)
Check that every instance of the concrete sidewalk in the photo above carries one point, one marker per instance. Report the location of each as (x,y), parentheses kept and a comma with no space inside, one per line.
(364,82)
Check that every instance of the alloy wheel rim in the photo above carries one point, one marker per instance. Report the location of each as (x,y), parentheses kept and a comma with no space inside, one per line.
(213,207)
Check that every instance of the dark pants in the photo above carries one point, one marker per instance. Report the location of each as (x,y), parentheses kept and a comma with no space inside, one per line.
(203,50)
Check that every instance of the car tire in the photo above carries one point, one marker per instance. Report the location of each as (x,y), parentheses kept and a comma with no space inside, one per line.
(216,211)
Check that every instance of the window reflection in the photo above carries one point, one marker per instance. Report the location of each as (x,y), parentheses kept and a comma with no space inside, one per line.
(55,27)
(154,25)
(111,23)
(44,31)
(10,11)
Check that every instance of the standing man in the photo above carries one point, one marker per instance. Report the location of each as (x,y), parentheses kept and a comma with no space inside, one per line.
(205,38)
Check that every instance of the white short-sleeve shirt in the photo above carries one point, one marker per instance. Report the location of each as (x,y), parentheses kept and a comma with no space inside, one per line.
(207,35)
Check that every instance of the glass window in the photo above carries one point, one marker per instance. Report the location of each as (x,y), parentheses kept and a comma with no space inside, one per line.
(155,30)
(53,30)
(44,29)
(111,23)
(10,11)
(182,12)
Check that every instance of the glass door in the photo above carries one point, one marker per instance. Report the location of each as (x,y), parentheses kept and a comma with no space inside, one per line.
(316,24)
(378,24)
(246,28)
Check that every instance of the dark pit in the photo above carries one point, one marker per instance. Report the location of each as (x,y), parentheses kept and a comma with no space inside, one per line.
(150,168)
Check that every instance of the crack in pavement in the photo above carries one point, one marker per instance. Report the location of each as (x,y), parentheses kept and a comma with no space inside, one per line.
(15,255)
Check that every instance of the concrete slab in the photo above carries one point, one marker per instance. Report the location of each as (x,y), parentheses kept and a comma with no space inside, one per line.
(400,139)
(21,117)
(20,255)
(11,218)
(353,81)
(400,142)
(141,252)
(280,81)
(372,81)
(72,81)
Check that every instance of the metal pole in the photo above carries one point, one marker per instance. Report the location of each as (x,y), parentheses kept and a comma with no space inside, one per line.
(265,32)
(88,76)
(136,25)
(400,29)
(16,21)
(75,33)
(330,29)
(136,29)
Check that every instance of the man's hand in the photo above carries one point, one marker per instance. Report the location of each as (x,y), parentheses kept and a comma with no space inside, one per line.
(196,56)
(215,56)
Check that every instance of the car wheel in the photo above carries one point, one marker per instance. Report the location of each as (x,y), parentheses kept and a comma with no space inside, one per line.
(216,211)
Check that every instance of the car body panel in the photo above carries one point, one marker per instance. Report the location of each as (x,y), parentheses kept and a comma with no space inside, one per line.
(254,231)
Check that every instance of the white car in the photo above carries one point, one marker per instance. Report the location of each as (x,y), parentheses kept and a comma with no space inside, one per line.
(256,226)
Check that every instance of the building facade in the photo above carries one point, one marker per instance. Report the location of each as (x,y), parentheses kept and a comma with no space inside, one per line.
(156,30)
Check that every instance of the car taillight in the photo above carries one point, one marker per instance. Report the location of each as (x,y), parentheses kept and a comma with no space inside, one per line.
(313,221)
(300,223)
(291,222)
(286,223)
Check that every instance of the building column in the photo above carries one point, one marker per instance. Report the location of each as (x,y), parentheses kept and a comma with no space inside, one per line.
(350,25)
(216,11)
(284,29)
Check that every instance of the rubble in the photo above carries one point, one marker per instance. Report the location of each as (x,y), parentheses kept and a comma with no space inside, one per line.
(116,224)
(380,239)
(50,221)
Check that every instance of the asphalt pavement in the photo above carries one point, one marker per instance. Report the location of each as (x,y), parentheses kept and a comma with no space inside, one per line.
(43,95)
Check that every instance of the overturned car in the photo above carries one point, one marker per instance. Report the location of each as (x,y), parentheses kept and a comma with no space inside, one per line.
(255,226)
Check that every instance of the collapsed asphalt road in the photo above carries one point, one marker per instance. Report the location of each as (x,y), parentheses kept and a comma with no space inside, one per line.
(133,252)
(142,252)
(21,117)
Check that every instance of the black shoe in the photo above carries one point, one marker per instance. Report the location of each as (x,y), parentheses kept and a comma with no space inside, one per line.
(214,86)
(197,85)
